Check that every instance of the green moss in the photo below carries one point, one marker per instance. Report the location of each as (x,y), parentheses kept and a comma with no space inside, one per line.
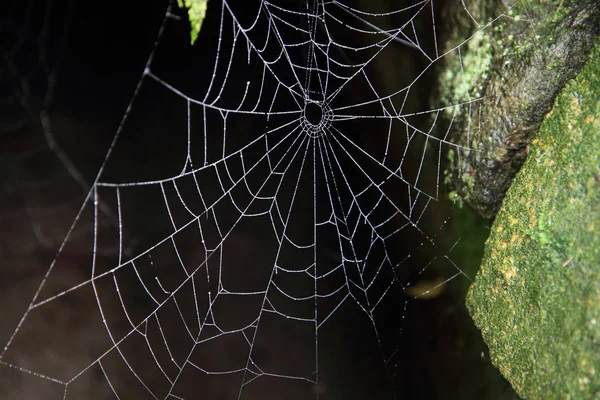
(536,298)
(463,80)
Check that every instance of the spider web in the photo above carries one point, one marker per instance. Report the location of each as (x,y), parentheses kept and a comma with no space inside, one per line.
(292,189)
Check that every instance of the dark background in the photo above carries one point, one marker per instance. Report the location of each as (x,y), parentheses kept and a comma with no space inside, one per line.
(80,63)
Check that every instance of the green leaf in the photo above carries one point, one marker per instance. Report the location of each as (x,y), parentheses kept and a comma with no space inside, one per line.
(196,14)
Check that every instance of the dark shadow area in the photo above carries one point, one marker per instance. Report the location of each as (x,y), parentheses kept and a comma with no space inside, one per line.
(320,208)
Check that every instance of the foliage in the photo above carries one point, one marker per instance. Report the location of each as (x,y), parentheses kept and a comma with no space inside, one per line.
(196,12)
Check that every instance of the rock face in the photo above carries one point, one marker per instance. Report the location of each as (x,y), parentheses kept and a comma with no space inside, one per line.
(536,298)
(507,77)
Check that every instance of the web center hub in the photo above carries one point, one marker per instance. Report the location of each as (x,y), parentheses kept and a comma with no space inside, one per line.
(313,113)
(316,118)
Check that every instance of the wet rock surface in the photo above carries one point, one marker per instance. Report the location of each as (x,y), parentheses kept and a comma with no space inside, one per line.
(506,78)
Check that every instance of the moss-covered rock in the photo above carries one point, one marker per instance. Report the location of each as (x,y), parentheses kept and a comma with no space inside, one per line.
(536,298)
(505,68)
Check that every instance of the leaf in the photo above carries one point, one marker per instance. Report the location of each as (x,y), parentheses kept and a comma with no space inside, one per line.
(196,13)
